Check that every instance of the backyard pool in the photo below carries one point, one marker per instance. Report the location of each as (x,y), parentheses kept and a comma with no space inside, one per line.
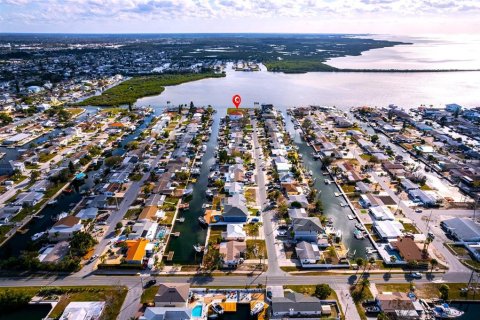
(197,310)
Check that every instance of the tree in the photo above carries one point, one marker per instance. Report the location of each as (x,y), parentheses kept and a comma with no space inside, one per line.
(113,161)
(5,118)
(80,243)
(374,138)
(71,167)
(433,264)
(393,259)
(371,262)
(444,291)
(322,291)
(365,283)
(223,156)
(360,262)
(326,161)
(35,174)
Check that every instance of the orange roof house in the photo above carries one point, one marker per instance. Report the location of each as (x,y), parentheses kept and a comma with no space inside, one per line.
(136,250)
(149,212)
(117,125)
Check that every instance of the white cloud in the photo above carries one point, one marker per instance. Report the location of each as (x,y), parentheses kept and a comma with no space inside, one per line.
(123,12)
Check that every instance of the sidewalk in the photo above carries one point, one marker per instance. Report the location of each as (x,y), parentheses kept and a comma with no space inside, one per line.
(347,304)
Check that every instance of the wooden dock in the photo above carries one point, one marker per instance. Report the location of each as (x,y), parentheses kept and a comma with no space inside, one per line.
(170,255)
(176,234)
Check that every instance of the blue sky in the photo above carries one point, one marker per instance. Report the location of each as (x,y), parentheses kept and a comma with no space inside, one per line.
(405,17)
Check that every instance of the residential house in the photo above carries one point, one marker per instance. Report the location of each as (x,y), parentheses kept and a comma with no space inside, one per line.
(307,252)
(172,313)
(233,188)
(409,249)
(64,228)
(388,230)
(235,210)
(172,295)
(234,232)
(301,199)
(381,213)
(462,229)
(295,304)
(87,213)
(145,229)
(232,253)
(28,199)
(306,229)
(135,251)
(79,310)
(398,305)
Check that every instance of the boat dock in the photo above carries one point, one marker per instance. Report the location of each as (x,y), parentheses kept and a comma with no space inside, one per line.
(170,255)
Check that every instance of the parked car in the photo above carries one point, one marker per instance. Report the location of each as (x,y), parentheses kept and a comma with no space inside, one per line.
(217,308)
(92,258)
(372,309)
(416,275)
(150,283)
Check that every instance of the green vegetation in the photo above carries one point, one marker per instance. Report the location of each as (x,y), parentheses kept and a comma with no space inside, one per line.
(149,294)
(431,290)
(298,66)
(129,91)
(255,249)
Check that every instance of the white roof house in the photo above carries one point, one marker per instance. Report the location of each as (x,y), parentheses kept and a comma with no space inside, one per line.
(234,232)
(388,229)
(79,310)
(381,213)
(87,213)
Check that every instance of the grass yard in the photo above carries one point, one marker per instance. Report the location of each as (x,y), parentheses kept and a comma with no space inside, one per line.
(261,249)
(113,296)
(149,294)
(132,213)
(458,250)
(216,234)
(410,228)
(429,290)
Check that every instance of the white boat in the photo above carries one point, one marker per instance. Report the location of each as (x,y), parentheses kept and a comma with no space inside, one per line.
(337,194)
(338,235)
(358,234)
(37,236)
(343,205)
(350,217)
(198,248)
(359,227)
(217,308)
(444,311)
(257,308)
(327,181)
(52,202)
(202,221)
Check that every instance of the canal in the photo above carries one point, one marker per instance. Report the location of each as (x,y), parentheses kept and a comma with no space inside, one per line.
(65,202)
(191,232)
(331,204)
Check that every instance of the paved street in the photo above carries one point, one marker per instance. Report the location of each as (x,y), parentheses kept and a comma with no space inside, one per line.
(273,265)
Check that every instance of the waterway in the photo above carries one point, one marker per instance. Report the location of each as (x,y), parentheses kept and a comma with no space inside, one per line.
(331,204)
(65,202)
(472,310)
(30,312)
(191,232)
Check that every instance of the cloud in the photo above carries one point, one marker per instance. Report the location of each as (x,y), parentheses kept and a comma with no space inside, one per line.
(48,12)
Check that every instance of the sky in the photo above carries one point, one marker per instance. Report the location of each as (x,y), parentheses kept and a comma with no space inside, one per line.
(402,17)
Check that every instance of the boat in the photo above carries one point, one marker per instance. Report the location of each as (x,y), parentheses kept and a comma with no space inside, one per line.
(338,235)
(52,202)
(257,308)
(444,311)
(182,219)
(198,247)
(359,227)
(202,220)
(68,190)
(337,194)
(358,234)
(350,217)
(217,308)
(343,205)
(327,181)
(60,216)
(209,193)
(37,236)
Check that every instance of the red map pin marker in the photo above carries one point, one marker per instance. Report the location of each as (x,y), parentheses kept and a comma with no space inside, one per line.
(236,100)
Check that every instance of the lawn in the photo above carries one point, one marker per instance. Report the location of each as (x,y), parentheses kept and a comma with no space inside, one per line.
(132,213)
(216,234)
(429,290)
(261,249)
(130,90)
(149,294)
(75,111)
(410,228)
(45,157)
(458,250)
(363,293)
(113,296)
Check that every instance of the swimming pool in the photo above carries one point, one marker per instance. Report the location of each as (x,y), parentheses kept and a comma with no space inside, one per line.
(161,234)
(197,310)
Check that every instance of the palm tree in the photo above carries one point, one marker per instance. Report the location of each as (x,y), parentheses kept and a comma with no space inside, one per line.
(371,262)
(365,283)
(393,259)
(433,264)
